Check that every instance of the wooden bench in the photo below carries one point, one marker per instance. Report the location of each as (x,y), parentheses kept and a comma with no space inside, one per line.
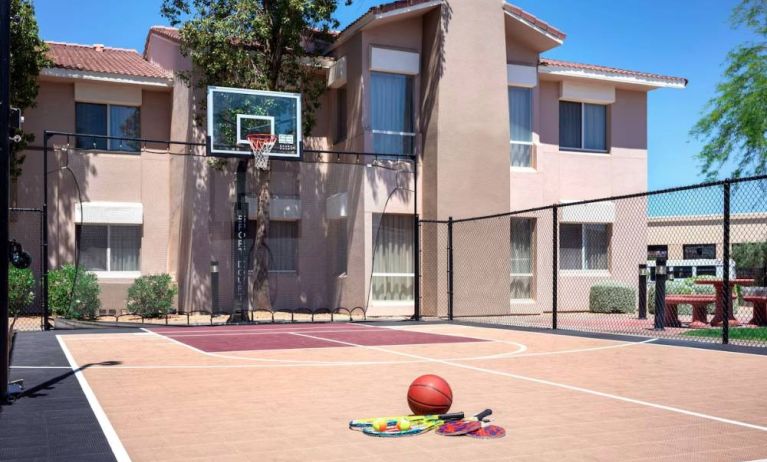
(699,313)
(760,309)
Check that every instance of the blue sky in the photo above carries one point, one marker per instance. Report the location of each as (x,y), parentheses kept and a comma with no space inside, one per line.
(687,38)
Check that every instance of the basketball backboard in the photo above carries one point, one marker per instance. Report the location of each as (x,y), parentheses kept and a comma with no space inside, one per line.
(233,113)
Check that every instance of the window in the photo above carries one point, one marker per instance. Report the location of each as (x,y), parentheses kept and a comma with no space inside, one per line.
(340,115)
(699,251)
(654,250)
(339,236)
(583,247)
(282,241)
(582,126)
(522,258)
(391,106)
(107,120)
(521,126)
(393,273)
(109,247)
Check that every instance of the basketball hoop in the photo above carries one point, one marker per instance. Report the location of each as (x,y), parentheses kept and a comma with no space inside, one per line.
(261,145)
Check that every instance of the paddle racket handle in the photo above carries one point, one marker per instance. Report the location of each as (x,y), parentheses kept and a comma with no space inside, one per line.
(483,414)
(451,416)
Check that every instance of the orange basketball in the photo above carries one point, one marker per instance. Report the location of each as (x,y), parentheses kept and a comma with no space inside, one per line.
(429,394)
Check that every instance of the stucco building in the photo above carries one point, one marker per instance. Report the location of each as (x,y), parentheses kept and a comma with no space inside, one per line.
(462,84)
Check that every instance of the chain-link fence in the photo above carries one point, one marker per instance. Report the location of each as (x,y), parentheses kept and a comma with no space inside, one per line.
(330,237)
(25,284)
(685,263)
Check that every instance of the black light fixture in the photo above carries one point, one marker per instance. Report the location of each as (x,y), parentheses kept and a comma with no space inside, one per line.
(18,256)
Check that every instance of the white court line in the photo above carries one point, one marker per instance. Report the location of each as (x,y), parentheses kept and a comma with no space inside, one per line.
(41,367)
(306,362)
(254,327)
(114,441)
(562,385)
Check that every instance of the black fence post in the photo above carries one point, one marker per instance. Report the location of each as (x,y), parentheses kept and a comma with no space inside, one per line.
(642,291)
(660,292)
(726,288)
(44,243)
(450,268)
(417,269)
(5,180)
(554,264)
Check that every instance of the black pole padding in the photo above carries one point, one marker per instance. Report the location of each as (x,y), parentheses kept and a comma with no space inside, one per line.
(726,287)
(660,292)
(554,265)
(5,182)
(642,291)
(241,241)
(450,268)
(417,268)
(44,240)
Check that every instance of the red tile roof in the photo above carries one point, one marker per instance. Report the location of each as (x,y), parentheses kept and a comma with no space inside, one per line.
(611,70)
(98,58)
(170,33)
(539,23)
(385,8)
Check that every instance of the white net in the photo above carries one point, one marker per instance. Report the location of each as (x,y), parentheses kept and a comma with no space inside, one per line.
(261,146)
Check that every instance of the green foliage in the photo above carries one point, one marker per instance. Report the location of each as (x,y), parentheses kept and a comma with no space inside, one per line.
(152,296)
(750,254)
(81,303)
(21,289)
(257,44)
(682,287)
(735,127)
(612,297)
(28,58)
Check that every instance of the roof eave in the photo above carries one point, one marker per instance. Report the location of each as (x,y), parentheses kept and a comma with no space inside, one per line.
(554,40)
(371,17)
(650,82)
(105,77)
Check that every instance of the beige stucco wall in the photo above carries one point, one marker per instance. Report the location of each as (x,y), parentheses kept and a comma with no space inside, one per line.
(676,232)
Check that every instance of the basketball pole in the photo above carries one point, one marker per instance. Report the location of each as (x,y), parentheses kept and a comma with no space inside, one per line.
(5,182)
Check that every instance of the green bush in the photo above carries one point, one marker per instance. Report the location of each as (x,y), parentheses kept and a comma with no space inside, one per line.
(151,296)
(612,297)
(21,289)
(682,287)
(81,303)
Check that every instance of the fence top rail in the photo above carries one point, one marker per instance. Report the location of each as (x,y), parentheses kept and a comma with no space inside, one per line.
(25,209)
(619,197)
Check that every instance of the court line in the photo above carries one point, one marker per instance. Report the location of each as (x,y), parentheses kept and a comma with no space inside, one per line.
(254,327)
(564,386)
(304,362)
(109,432)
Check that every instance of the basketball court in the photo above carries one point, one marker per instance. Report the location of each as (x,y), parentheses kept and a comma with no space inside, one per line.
(288,391)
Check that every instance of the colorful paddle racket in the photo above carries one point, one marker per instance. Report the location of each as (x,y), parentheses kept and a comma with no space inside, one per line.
(464,426)
(416,428)
(361,424)
(488,432)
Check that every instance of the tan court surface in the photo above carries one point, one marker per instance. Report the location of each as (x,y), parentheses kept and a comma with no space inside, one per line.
(559,398)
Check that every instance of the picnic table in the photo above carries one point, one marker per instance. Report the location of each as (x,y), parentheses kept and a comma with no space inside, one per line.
(699,302)
(719,286)
(760,309)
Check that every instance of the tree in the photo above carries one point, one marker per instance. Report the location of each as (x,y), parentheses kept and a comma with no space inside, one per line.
(262,45)
(28,58)
(735,126)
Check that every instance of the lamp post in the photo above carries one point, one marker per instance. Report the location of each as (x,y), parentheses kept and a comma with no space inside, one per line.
(642,291)
(661,272)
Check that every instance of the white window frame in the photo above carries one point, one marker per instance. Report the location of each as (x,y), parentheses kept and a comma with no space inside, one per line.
(532,225)
(109,273)
(583,269)
(412,102)
(375,274)
(582,149)
(531,143)
(109,127)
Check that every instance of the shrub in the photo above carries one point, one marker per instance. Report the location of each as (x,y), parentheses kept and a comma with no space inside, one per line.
(612,297)
(21,289)
(682,287)
(151,296)
(82,302)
